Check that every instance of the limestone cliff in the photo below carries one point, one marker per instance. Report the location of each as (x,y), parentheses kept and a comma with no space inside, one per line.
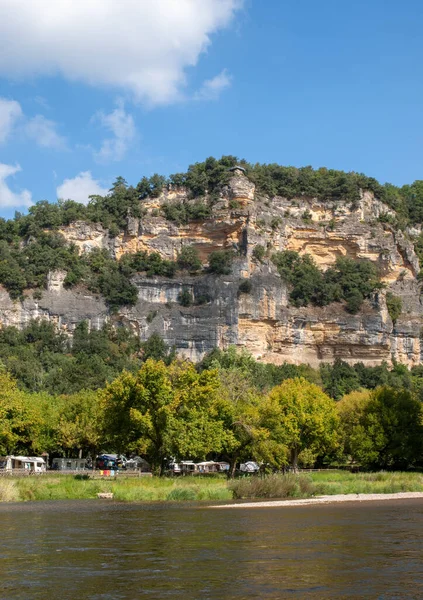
(261,321)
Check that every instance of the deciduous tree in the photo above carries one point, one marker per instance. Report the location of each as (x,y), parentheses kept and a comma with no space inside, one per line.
(299,416)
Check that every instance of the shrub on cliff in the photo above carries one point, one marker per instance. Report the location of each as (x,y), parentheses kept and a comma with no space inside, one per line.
(245,287)
(185,297)
(149,263)
(189,259)
(259,252)
(156,348)
(27,266)
(394,306)
(151,187)
(220,262)
(184,212)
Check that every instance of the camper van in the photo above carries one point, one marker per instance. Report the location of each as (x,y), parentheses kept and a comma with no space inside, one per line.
(31,464)
(69,464)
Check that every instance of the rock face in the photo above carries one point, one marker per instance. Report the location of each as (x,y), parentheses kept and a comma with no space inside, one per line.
(262,320)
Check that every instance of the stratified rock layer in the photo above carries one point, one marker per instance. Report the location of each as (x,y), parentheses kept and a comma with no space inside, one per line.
(261,321)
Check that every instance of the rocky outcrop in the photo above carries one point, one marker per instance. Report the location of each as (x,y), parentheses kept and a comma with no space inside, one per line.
(262,320)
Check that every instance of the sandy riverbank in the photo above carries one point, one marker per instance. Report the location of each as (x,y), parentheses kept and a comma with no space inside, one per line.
(326,500)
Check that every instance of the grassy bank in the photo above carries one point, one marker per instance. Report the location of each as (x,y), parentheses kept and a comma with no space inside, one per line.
(327,483)
(69,487)
(146,489)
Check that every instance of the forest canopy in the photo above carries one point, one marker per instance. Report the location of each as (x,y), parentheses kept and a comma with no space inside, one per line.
(229,407)
(203,180)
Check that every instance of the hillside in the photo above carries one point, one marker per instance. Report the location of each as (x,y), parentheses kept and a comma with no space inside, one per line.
(292,264)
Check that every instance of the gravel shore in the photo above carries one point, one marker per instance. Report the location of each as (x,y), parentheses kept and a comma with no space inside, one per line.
(326,500)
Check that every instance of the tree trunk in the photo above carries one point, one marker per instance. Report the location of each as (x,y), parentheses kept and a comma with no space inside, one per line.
(232,468)
(294,459)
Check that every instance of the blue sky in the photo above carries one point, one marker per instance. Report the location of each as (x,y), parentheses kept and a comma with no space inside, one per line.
(92,90)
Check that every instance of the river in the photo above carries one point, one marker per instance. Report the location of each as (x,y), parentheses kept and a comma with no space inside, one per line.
(102,550)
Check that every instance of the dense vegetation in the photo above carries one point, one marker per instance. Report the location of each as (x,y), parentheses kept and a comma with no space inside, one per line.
(348,280)
(43,360)
(203,181)
(175,410)
(109,392)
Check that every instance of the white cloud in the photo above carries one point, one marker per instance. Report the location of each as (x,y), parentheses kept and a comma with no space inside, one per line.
(38,128)
(122,126)
(212,88)
(10,112)
(80,188)
(43,132)
(7,197)
(137,45)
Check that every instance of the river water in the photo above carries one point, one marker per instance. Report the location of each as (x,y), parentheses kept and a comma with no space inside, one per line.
(104,550)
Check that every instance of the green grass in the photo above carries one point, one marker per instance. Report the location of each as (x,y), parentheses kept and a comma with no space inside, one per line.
(183,489)
(144,489)
(383,482)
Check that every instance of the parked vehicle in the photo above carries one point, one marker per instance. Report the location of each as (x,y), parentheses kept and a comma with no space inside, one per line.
(211,466)
(173,468)
(188,467)
(34,464)
(69,464)
(110,462)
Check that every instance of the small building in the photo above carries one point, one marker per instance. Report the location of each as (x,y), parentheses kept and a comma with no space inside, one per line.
(69,464)
(238,170)
(31,464)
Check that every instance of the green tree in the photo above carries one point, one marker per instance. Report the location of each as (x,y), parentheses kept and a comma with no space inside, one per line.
(79,424)
(238,405)
(357,442)
(26,420)
(383,430)
(339,378)
(157,349)
(299,416)
(163,412)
